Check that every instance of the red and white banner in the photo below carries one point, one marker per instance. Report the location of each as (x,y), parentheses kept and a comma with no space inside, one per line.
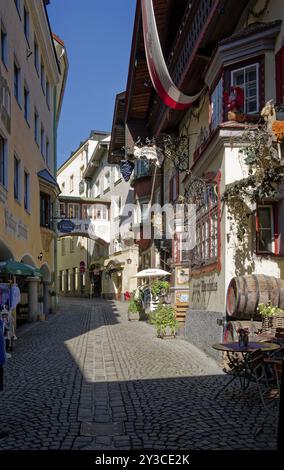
(158,70)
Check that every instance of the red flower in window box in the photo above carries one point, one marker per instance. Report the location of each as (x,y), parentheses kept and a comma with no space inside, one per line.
(235,99)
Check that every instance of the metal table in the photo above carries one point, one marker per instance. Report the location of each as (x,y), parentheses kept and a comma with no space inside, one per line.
(238,363)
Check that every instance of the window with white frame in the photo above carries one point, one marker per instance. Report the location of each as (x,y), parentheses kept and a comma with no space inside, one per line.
(82,169)
(36,56)
(116,206)
(27,191)
(71,183)
(36,126)
(265,229)
(42,76)
(4,45)
(42,140)
(74,211)
(17,179)
(17,82)
(62,210)
(76,278)
(97,188)
(101,213)
(63,249)
(72,245)
(26,103)
(68,280)
(47,89)
(207,227)
(86,211)
(47,152)
(3,162)
(217,105)
(26,23)
(117,174)
(61,288)
(247,78)
(107,180)
(18,6)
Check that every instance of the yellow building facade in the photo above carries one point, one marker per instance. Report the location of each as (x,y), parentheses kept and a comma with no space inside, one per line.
(32,79)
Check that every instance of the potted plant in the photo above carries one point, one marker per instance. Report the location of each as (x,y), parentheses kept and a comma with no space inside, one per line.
(159,288)
(133,310)
(164,320)
(272,317)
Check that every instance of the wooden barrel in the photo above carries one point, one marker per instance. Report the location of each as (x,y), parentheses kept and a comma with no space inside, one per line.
(245,293)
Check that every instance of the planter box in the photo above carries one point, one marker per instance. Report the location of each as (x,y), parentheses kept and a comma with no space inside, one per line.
(133,316)
(269,324)
(168,334)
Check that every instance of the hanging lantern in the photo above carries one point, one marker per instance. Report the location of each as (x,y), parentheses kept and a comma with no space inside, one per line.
(126,169)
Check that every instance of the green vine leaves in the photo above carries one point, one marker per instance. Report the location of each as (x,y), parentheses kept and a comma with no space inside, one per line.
(264,174)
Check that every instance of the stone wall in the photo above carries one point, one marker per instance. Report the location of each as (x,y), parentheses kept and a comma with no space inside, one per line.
(202,330)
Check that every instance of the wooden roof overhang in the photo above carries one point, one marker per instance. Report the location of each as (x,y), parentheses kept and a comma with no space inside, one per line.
(188,37)
(117,142)
(140,93)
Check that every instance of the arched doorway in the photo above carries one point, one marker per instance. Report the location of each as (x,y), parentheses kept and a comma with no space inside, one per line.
(5,252)
(28,259)
(29,287)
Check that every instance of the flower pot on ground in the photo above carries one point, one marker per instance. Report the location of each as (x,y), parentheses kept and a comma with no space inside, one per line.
(164,320)
(133,310)
(272,317)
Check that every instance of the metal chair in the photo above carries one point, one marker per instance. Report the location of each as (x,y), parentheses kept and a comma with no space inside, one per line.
(264,373)
(266,379)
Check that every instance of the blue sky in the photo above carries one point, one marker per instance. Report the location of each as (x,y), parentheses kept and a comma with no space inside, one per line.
(98,35)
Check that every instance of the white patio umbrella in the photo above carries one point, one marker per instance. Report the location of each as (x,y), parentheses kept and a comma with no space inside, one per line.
(152,273)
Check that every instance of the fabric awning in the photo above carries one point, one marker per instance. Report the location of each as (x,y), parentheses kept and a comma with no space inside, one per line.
(15,268)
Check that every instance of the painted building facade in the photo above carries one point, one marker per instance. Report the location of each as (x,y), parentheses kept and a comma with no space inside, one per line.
(75,248)
(33,76)
(117,263)
(224,49)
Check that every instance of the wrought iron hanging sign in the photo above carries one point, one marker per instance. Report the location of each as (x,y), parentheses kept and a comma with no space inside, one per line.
(126,169)
(157,67)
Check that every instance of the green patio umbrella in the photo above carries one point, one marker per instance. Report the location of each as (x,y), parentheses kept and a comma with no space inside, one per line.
(15,268)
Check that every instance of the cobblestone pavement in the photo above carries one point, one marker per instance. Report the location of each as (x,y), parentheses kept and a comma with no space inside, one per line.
(89,379)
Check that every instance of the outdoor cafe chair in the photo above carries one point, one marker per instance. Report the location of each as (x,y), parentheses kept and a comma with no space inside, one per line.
(266,379)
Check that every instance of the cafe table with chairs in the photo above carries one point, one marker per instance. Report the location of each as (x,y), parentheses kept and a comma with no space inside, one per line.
(246,365)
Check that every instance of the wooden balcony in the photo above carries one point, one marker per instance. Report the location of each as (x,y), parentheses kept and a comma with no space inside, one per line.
(204,24)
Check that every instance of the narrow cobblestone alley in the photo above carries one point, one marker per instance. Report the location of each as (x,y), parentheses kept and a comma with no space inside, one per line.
(89,379)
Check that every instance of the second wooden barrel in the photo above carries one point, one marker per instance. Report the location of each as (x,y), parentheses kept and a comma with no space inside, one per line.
(245,293)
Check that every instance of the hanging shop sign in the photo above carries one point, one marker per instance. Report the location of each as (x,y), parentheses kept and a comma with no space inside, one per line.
(65,226)
(89,228)
(126,169)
